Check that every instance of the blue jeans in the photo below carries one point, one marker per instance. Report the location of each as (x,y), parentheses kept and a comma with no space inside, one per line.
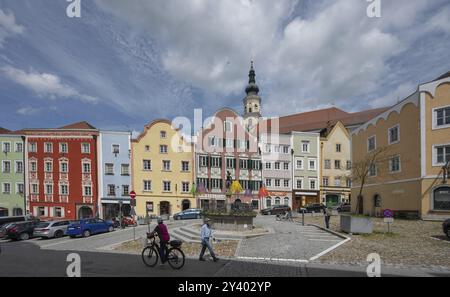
(207,244)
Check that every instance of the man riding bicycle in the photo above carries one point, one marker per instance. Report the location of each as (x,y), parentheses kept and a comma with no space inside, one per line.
(164,238)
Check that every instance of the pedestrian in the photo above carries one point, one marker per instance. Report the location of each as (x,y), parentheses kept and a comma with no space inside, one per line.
(164,238)
(327,215)
(205,235)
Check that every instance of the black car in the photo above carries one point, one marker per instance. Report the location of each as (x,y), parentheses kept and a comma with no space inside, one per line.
(344,207)
(446,228)
(275,210)
(313,208)
(22,230)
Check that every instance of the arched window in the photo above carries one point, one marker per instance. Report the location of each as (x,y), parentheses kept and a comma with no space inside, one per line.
(441,198)
(277,201)
(268,202)
(377,200)
(286,201)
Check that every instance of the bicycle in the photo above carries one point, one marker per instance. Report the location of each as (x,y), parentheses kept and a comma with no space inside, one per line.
(174,255)
(287,216)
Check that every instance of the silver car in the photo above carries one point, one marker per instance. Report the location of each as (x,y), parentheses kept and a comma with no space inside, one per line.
(51,229)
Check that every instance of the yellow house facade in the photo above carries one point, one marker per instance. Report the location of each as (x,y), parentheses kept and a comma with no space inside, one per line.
(336,164)
(162,166)
(414,137)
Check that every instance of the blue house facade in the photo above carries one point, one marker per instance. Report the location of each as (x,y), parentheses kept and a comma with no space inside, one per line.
(114,173)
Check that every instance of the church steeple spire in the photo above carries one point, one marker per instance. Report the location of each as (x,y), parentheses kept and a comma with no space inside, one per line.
(252,102)
(252,87)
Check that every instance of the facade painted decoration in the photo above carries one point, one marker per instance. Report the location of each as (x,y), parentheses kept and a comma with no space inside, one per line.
(114,173)
(12,174)
(163,170)
(415,135)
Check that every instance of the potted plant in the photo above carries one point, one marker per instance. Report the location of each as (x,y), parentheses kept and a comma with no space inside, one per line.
(356,224)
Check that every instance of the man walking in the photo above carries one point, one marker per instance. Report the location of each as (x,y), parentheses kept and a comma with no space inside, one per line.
(205,235)
(327,215)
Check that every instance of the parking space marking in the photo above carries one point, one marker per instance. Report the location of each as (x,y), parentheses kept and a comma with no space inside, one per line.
(273,259)
(325,240)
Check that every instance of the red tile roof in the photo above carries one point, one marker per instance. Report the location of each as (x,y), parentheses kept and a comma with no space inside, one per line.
(79,126)
(320,119)
(4,131)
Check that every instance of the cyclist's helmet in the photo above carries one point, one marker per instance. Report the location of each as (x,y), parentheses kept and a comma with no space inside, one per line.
(160,220)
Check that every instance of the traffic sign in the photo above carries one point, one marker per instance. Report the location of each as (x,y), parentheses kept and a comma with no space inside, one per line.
(389,220)
(132,194)
(388,213)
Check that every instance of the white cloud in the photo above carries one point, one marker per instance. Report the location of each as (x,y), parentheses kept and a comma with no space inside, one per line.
(28,110)
(45,84)
(8,26)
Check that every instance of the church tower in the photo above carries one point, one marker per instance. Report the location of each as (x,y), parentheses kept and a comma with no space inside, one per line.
(252,102)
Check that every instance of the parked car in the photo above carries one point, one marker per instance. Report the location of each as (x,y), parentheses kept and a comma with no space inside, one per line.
(21,230)
(344,207)
(87,227)
(3,230)
(446,228)
(52,229)
(187,214)
(16,219)
(316,207)
(275,210)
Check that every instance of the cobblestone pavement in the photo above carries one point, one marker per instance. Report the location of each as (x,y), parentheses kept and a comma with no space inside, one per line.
(290,241)
(412,244)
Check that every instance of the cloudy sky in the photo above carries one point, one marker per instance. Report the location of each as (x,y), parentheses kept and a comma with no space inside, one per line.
(125,63)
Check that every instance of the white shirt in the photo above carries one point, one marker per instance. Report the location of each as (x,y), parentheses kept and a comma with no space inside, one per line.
(206,232)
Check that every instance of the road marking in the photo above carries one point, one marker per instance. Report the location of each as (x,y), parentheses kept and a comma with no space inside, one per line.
(328,240)
(273,259)
(444,240)
(329,250)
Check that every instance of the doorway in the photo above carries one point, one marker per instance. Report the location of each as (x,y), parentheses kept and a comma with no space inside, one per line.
(85,212)
(186,204)
(164,208)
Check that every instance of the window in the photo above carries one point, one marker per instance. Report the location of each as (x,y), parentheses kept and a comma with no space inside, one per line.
(299,183)
(216,183)
(125,190)
(243,164)
(48,166)
(147,148)
(19,167)
(231,163)
(268,148)
(19,147)
(49,189)
(268,165)
(327,164)
(116,149)
(338,148)
(48,147)
(166,186)
(286,183)
(58,212)
(277,183)
(441,198)
(6,188)
(203,160)
(286,201)
(277,201)
(64,190)
(6,167)
(285,149)
(166,165)
(33,166)
(212,141)
(268,182)
(41,211)
(85,148)
(349,165)
(215,162)
(87,191)
(147,185)
(34,189)
(325,181)
(305,146)
(125,169)
(184,166)
(86,167)
(63,148)
(19,188)
(111,190)
(312,184)
(442,155)
(394,164)
(337,164)
(33,147)
(163,134)
(312,165)
(299,164)
(276,148)
(109,169)
(371,143)
(277,165)
(373,170)
(442,116)
(229,143)
(185,187)
(286,166)
(147,165)
(6,147)
(228,127)
(268,202)
(394,135)
(337,181)
(163,149)
(349,183)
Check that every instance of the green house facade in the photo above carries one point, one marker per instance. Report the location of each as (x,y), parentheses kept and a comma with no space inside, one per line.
(12,175)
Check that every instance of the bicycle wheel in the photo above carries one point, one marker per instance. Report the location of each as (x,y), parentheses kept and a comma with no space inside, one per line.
(150,256)
(176,258)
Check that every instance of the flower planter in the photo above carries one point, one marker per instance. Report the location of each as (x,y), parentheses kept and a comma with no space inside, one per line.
(229,222)
(356,224)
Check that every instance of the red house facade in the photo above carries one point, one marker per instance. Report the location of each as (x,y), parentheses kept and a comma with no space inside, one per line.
(61,168)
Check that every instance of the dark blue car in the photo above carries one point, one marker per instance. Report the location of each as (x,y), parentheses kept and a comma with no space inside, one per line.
(187,214)
(87,227)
